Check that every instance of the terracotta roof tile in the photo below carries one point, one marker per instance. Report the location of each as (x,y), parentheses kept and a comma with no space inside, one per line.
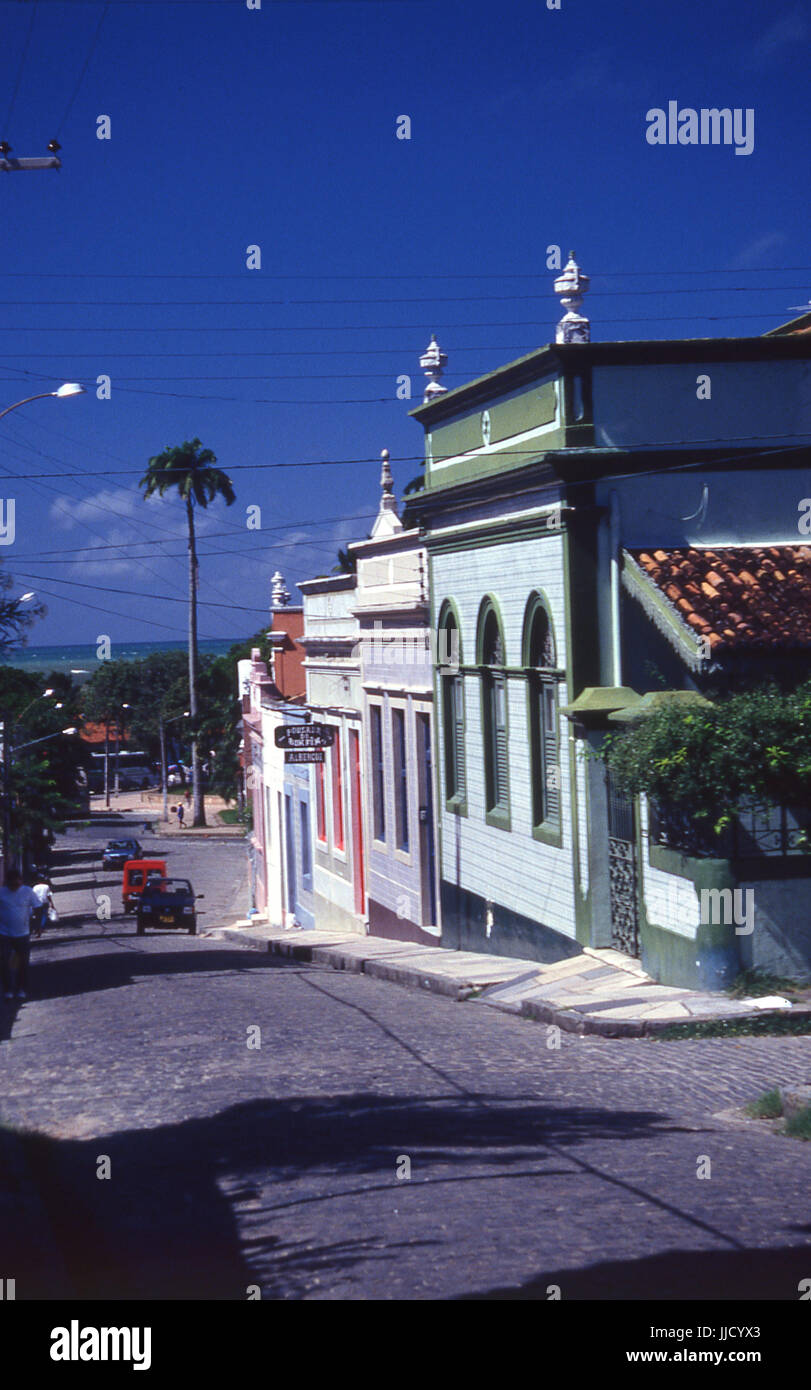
(738,596)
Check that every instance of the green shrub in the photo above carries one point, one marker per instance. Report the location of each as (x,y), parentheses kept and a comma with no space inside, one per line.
(799,1126)
(752,983)
(750,748)
(769,1106)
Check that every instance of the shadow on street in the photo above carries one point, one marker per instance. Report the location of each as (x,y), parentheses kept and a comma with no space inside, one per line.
(160,1226)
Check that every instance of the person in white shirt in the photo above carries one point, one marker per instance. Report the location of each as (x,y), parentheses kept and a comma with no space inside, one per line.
(17,902)
(44,900)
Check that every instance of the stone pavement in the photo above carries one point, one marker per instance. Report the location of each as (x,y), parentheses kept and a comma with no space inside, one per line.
(600,991)
(147,806)
(580,1164)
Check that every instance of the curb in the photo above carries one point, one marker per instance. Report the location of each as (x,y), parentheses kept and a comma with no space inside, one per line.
(409,977)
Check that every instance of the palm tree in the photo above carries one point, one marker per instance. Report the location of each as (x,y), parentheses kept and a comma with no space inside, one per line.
(190,468)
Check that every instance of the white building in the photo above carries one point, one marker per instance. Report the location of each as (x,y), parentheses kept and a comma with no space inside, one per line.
(396,667)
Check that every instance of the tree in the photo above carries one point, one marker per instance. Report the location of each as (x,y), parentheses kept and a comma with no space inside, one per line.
(222,730)
(191,469)
(347,564)
(15,619)
(707,764)
(42,769)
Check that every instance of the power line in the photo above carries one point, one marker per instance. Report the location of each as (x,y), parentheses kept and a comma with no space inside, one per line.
(286,352)
(133,593)
(419,458)
(114,613)
(24,55)
(416,275)
(419,299)
(212,535)
(83,72)
(377,327)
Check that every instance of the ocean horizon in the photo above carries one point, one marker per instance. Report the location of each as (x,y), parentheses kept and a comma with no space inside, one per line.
(81,659)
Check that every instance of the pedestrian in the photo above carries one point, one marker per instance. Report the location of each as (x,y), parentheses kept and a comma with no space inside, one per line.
(188,796)
(17,902)
(44,900)
(180,814)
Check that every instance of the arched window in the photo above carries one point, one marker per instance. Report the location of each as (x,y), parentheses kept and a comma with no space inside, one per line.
(541,666)
(453,705)
(494,711)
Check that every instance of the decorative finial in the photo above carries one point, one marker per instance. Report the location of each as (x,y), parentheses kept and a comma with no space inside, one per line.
(571,286)
(433,362)
(387,522)
(280,594)
(386,479)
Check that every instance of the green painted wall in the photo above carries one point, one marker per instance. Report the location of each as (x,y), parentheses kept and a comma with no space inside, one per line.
(524,411)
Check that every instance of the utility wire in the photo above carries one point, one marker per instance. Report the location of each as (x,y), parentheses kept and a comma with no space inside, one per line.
(135,593)
(354,299)
(23,56)
(513,453)
(83,72)
(417,274)
(157,330)
(211,535)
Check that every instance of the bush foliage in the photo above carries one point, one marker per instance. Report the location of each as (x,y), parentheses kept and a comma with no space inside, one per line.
(750,748)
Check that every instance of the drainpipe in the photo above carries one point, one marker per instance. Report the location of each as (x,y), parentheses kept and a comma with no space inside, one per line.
(614,533)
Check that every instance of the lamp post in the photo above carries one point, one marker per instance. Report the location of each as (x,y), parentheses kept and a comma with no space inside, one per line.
(162,731)
(119,731)
(44,739)
(44,696)
(69,388)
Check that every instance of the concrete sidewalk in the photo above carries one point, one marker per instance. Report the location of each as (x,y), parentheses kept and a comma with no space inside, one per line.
(147,807)
(600,991)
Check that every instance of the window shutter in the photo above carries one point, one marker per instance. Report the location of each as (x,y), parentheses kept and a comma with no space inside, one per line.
(550,753)
(458,738)
(501,742)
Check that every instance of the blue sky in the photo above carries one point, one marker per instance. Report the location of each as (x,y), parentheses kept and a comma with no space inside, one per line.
(277,127)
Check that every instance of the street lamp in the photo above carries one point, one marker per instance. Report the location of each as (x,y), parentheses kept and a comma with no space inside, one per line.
(44,696)
(8,754)
(118,732)
(44,739)
(69,388)
(162,731)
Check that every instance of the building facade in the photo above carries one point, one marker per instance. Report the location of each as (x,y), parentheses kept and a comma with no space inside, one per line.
(551,485)
(396,670)
(335,698)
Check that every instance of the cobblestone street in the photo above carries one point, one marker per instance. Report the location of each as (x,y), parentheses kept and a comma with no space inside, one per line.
(276,1165)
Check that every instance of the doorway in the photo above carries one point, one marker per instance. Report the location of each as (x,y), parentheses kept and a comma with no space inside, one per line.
(622,871)
(357,823)
(427,834)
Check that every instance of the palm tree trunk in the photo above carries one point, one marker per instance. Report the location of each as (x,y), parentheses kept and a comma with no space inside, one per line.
(199,817)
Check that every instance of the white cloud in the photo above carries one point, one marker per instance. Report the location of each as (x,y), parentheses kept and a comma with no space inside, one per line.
(787,34)
(755,252)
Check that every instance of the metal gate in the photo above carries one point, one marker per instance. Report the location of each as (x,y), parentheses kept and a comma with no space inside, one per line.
(622,872)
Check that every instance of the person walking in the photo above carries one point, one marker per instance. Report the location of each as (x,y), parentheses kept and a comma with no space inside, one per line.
(180,814)
(44,899)
(17,902)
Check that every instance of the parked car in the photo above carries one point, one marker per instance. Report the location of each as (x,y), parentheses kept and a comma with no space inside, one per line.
(138,874)
(168,902)
(119,851)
